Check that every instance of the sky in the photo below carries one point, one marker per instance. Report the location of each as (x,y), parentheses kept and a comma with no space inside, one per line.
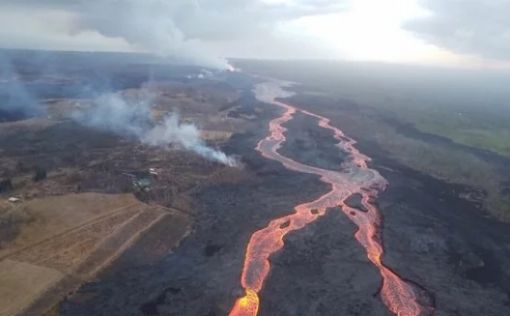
(457,33)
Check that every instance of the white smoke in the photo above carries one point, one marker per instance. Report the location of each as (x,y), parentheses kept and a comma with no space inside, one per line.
(172,131)
(16,101)
(114,113)
(154,26)
(201,32)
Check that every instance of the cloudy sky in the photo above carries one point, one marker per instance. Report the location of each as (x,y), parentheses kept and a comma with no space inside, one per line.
(464,33)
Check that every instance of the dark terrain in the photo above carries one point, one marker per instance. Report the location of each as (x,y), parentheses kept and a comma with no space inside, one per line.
(436,234)
(201,277)
(451,124)
(302,145)
(445,243)
(431,236)
(322,271)
(319,265)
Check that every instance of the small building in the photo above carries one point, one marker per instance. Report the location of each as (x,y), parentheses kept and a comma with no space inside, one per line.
(13,199)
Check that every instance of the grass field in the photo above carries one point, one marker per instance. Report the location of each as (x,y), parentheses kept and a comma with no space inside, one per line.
(65,239)
(21,283)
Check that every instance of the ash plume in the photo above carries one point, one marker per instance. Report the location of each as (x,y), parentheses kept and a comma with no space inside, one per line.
(114,113)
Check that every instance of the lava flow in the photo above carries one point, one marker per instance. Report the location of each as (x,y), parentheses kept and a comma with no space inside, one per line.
(400,297)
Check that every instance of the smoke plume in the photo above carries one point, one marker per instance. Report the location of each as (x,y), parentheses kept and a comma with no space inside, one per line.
(124,117)
(201,32)
(16,102)
(153,26)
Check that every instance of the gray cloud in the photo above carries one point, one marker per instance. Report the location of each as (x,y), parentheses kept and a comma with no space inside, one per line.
(466,26)
(194,30)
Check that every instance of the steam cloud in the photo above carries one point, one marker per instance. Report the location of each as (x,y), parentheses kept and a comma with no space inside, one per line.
(114,113)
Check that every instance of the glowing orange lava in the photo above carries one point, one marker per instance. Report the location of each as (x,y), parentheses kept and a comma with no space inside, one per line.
(354,176)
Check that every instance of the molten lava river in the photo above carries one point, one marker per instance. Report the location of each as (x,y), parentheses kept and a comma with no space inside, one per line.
(353,176)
